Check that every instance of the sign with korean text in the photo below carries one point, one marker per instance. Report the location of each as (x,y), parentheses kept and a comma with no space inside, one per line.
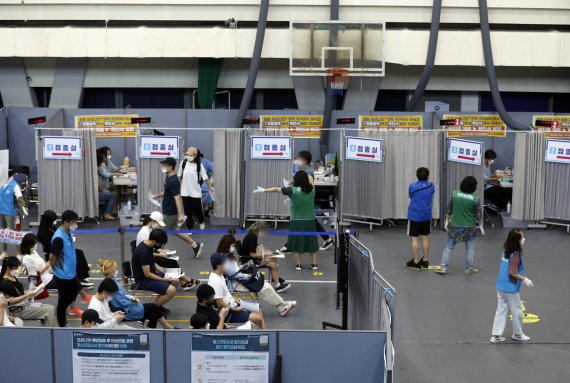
(364,149)
(395,123)
(12,237)
(230,358)
(467,152)
(159,147)
(474,126)
(110,126)
(62,148)
(298,126)
(270,148)
(554,126)
(558,151)
(110,358)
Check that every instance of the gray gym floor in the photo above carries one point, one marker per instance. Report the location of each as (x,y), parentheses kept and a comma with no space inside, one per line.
(443,323)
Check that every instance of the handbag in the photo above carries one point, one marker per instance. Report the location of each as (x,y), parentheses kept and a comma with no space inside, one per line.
(256,280)
(44,294)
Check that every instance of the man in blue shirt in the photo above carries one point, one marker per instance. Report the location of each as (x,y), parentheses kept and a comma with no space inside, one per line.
(419,218)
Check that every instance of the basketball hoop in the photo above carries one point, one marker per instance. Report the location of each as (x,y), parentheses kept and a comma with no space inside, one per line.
(337,78)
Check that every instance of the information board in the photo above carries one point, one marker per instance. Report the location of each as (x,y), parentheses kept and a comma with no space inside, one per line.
(12,236)
(468,152)
(364,149)
(159,147)
(395,123)
(110,358)
(474,126)
(558,151)
(554,126)
(298,126)
(270,147)
(110,126)
(230,358)
(62,148)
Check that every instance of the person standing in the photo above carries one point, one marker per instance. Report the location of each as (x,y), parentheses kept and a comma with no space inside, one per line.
(495,196)
(192,175)
(302,194)
(10,196)
(172,208)
(105,196)
(63,262)
(464,210)
(511,277)
(419,218)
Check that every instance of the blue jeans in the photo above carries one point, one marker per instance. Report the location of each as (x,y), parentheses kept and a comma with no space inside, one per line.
(109,200)
(469,251)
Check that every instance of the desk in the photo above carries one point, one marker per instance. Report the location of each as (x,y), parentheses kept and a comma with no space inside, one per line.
(325,193)
(125,185)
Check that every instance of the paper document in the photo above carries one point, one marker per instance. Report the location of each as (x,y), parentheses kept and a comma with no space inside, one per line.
(152,200)
(245,326)
(173,257)
(285,182)
(170,252)
(39,289)
(173,273)
(248,305)
(277,254)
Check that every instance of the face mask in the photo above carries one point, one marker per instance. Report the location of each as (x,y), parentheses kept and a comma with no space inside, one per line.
(190,158)
(35,248)
(116,273)
(73,227)
(155,226)
(522,241)
(54,223)
(15,273)
(232,249)
(109,157)
(211,301)
(491,162)
(163,169)
(297,162)
(108,299)
(225,266)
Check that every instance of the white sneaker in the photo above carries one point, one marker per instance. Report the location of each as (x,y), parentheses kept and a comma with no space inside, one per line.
(287,306)
(202,226)
(283,248)
(521,338)
(497,339)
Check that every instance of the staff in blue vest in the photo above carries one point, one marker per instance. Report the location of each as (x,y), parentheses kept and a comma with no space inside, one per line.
(63,262)
(511,277)
(10,199)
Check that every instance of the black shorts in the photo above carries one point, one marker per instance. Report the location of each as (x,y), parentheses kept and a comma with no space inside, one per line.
(415,229)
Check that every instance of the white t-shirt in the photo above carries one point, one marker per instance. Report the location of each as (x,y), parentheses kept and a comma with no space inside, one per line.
(17,190)
(33,262)
(143,234)
(189,187)
(218,283)
(7,322)
(105,313)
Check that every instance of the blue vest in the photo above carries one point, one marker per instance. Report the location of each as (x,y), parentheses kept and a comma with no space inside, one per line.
(7,198)
(505,282)
(66,263)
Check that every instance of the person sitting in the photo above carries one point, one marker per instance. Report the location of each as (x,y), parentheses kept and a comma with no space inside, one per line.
(223,297)
(46,230)
(150,276)
(90,319)
(251,250)
(239,279)
(129,304)
(35,265)
(5,319)
(17,297)
(100,303)
(495,196)
(199,322)
(205,307)
(155,221)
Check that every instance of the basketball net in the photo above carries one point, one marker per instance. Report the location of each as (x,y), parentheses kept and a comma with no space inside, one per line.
(337,79)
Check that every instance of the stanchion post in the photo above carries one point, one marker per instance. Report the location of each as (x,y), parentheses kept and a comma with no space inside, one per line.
(122,235)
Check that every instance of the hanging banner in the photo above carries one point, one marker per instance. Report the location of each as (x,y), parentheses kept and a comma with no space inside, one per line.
(474,126)
(62,148)
(558,151)
(230,358)
(298,126)
(270,148)
(110,358)
(554,126)
(467,152)
(393,123)
(364,149)
(12,237)
(159,147)
(112,126)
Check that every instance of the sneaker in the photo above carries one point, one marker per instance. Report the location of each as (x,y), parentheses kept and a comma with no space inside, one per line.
(281,280)
(282,287)
(188,286)
(521,338)
(441,271)
(87,299)
(327,244)
(202,226)
(413,265)
(424,264)
(287,306)
(497,339)
(314,267)
(86,283)
(198,250)
(75,312)
(283,248)
(298,267)
(471,271)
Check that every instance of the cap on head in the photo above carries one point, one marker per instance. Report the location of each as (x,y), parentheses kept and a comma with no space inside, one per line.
(217,259)
(90,315)
(157,216)
(192,151)
(169,161)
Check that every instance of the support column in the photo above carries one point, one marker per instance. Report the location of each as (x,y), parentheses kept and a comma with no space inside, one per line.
(14,85)
(470,101)
(67,90)
(362,93)
(309,92)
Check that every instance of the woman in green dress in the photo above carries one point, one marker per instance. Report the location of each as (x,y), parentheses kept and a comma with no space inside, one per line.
(302,194)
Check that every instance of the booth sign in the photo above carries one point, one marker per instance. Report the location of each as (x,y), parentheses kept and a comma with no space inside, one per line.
(474,126)
(298,126)
(110,126)
(393,123)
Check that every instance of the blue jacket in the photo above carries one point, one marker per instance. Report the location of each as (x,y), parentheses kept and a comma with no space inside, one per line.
(7,206)
(505,282)
(66,263)
(120,301)
(421,201)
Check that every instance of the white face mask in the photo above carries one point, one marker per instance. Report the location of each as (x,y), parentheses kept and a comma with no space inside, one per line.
(54,223)
(522,241)
(225,266)
(116,273)
(73,228)
(35,248)
(109,157)
(155,225)
(15,273)
(491,162)
(108,299)
(163,169)
(232,249)
(190,158)
(297,162)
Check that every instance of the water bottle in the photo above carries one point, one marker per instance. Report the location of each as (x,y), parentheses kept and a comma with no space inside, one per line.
(509,207)
(129,204)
